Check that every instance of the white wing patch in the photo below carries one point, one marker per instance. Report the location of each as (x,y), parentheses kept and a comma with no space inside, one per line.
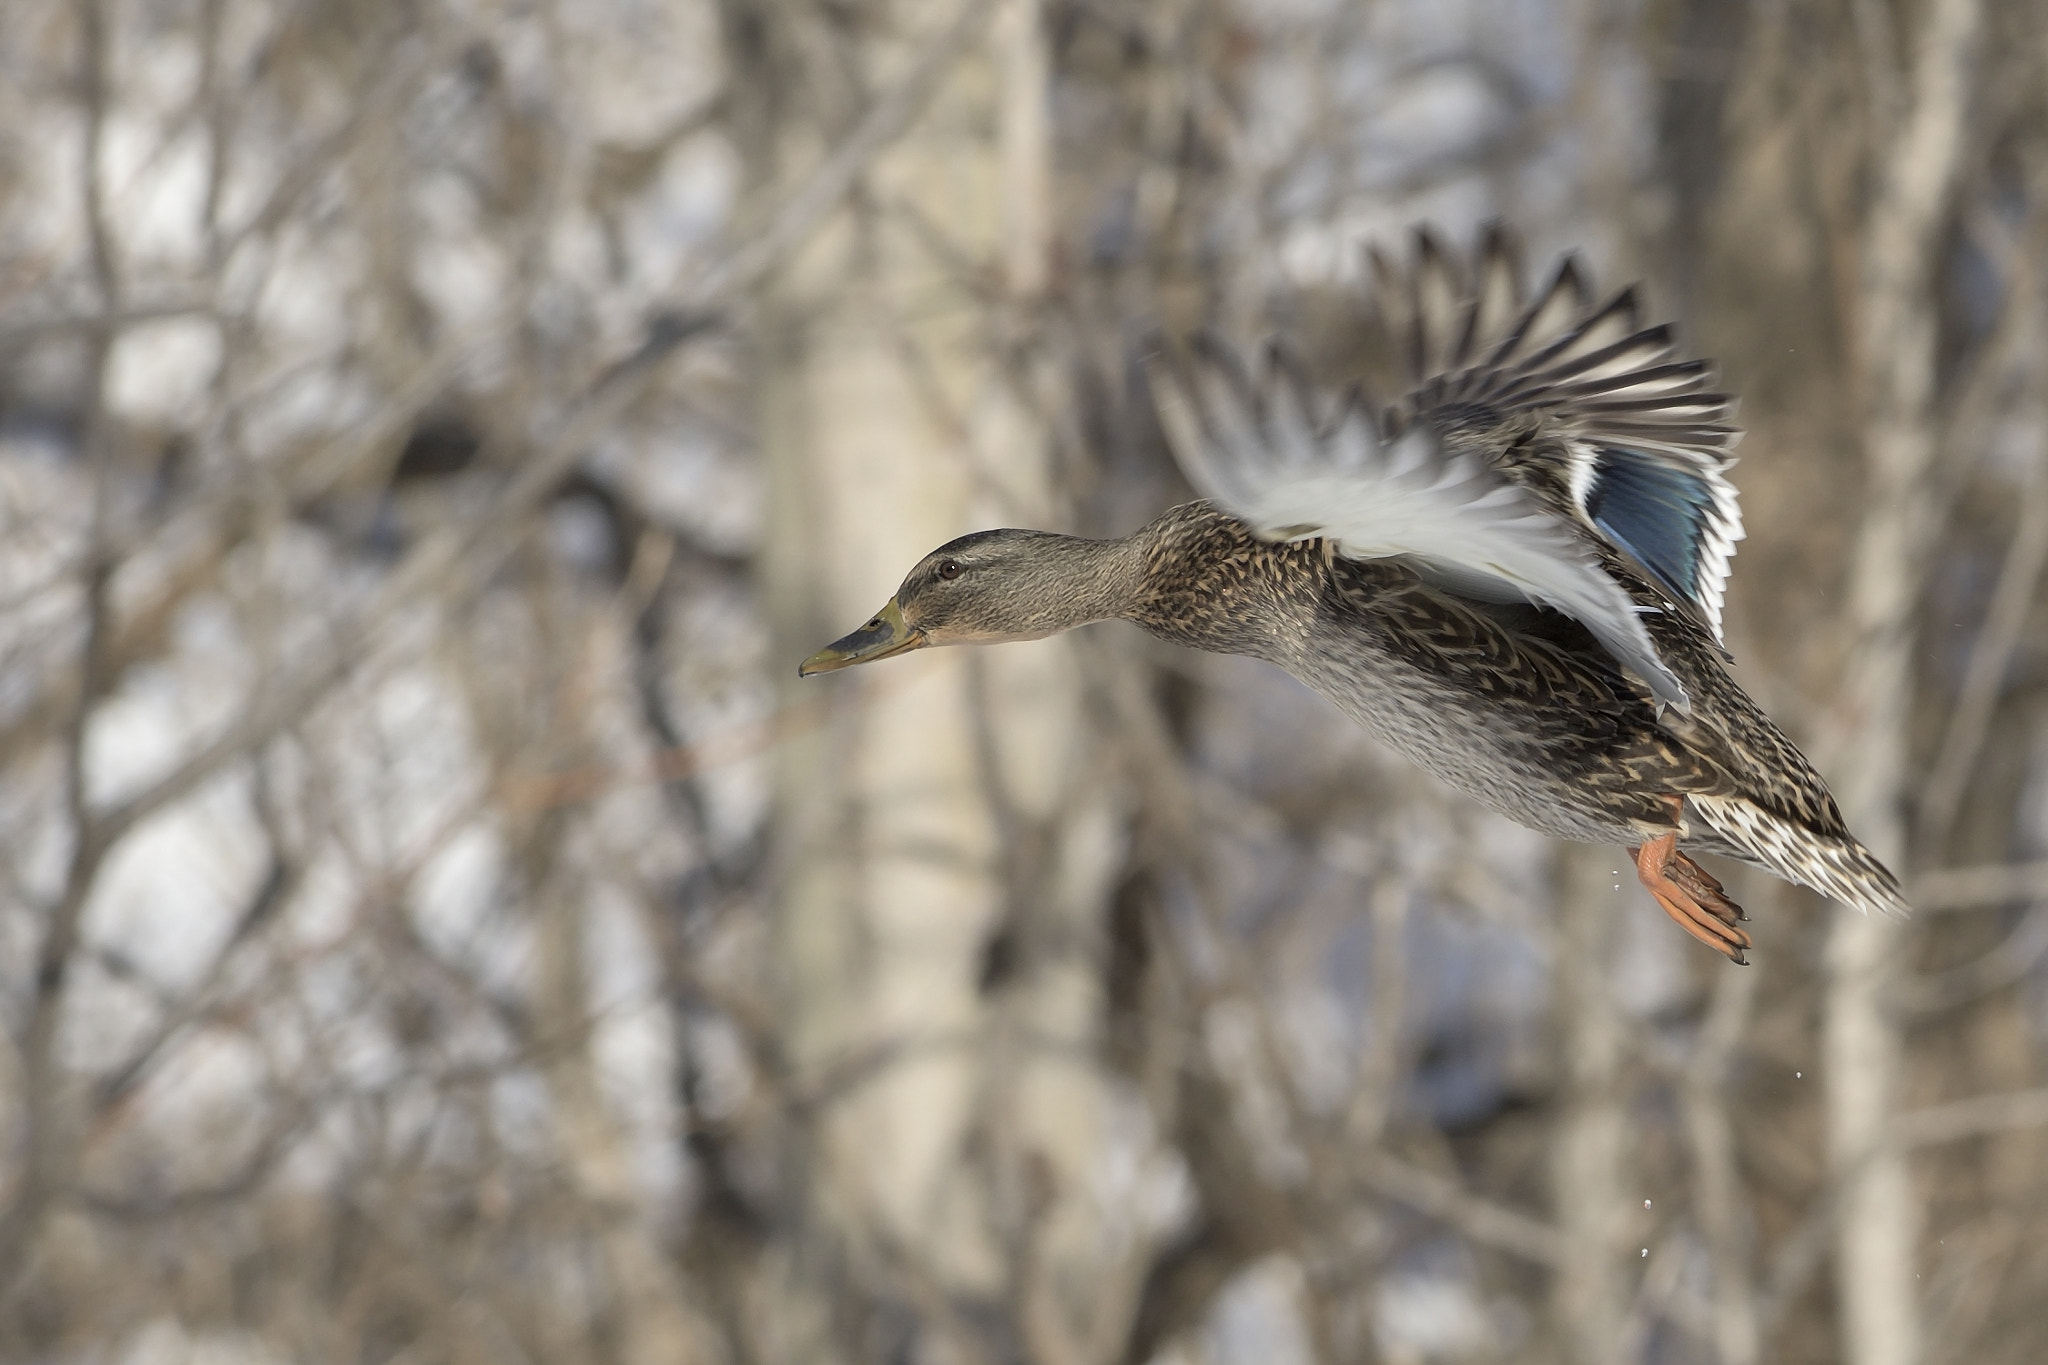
(1260,447)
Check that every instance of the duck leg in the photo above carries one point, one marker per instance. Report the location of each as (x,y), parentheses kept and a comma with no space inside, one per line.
(1691,896)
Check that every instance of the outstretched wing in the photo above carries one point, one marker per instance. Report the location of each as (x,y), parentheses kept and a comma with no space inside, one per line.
(1644,440)
(1293,467)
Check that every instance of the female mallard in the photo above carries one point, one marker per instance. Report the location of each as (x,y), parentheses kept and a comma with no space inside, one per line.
(1513,576)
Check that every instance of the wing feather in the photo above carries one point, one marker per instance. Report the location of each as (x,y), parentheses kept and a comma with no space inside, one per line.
(1262,447)
(1645,440)
(1496,293)
(1639,438)
(1561,301)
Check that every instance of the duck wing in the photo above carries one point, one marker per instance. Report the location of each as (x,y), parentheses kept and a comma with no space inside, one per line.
(1635,437)
(1268,448)
(1540,441)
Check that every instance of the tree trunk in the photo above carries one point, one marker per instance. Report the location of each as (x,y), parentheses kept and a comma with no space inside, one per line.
(939,869)
(1590,1171)
(1915,155)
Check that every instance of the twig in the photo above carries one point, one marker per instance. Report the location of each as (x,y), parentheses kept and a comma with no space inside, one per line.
(1990,657)
(46,1155)
(801,213)
(1658,1295)
(1968,888)
(1717,1192)
(539,791)
(2010,960)
(457,557)
(1482,1220)
(1971,1118)
(106,322)
(1801,1254)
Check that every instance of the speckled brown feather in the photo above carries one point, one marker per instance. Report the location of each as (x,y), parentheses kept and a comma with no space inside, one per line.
(1516,705)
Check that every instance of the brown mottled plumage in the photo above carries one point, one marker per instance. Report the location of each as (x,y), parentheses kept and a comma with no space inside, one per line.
(1544,639)
(1577,748)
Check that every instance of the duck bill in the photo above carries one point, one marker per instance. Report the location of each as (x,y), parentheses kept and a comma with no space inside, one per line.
(884,637)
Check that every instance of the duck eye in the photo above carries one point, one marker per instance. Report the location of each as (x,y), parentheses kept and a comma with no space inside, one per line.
(949,569)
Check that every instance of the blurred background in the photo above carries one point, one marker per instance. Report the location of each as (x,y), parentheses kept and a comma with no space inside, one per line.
(436,926)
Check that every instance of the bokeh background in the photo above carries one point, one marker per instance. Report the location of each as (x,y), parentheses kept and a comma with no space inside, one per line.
(436,925)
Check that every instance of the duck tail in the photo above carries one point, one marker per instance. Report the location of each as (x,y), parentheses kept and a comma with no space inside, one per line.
(1834,864)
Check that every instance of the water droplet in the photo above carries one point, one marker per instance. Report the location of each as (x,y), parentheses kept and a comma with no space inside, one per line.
(1799,1075)
(1646,1253)
(1646,1203)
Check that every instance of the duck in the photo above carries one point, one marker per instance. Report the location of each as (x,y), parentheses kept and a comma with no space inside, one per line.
(1514,575)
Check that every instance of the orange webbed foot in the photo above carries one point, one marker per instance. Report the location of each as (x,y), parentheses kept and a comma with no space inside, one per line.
(1692,896)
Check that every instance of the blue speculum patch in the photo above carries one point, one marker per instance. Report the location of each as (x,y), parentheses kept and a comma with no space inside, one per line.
(1654,510)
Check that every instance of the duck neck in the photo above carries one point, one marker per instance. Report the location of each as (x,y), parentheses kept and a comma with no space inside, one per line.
(1196,577)
(1207,583)
(1097,580)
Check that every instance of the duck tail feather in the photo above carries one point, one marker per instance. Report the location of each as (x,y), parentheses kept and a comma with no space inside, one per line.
(1836,865)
